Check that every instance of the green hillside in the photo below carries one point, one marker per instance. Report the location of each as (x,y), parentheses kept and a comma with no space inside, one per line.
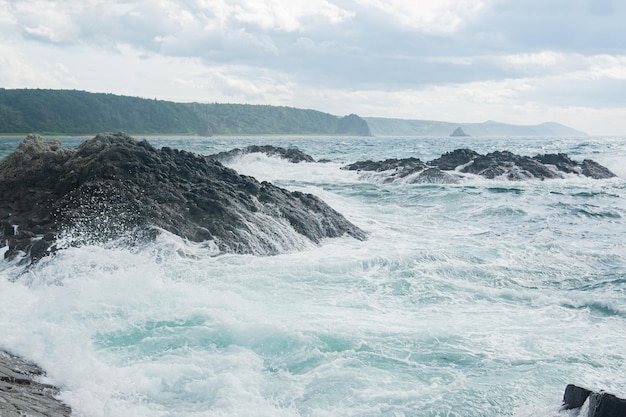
(73,112)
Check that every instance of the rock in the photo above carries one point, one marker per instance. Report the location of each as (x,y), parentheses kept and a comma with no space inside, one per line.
(454,159)
(574,397)
(587,168)
(499,164)
(22,395)
(507,165)
(434,176)
(291,154)
(601,404)
(394,168)
(459,132)
(115,187)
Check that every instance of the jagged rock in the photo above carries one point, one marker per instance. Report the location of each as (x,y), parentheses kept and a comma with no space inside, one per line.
(397,168)
(434,176)
(113,186)
(291,154)
(451,160)
(22,395)
(499,164)
(601,404)
(510,166)
(587,168)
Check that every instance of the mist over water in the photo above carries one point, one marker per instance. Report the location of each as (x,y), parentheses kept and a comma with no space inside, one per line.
(483,298)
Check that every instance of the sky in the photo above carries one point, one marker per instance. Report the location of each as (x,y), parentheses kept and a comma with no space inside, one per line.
(514,61)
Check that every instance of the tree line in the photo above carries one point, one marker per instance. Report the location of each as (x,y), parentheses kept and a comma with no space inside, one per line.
(72,112)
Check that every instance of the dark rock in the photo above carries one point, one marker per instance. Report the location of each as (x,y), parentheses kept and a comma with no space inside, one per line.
(115,187)
(595,170)
(499,164)
(434,176)
(587,168)
(291,154)
(395,168)
(454,159)
(459,132)
(602,404)
(574,397)
(510,166)
(22,395)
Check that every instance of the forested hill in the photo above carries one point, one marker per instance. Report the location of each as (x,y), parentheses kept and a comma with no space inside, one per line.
(79,112)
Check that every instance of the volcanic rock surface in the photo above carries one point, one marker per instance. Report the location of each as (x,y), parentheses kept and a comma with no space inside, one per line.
(499,164)
(22,395)
(113,186)
(291,154)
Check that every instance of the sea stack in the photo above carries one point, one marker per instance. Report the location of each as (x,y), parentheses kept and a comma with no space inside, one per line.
(459,132)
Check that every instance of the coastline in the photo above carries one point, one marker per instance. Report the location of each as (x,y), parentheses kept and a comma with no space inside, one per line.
(22,395)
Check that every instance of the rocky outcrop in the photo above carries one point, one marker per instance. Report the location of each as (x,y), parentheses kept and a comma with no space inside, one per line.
(22,395)
(291,154)
(587,167)
(113,187)
(600,404)
(500,164)
(458,132)
(411,170)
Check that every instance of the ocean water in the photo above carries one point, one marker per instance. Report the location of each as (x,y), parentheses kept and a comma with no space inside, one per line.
(484,298)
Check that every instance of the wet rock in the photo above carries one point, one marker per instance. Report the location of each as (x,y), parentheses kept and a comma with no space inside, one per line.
(499,164)
(574,397)
(292,155)
(601,404)
(115,187)
(435,176)
(564,164)
(507,165)
(451,160)
(22,395)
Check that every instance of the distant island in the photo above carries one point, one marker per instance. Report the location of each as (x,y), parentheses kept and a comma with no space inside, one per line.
(380,126)
(73,112)
(459,132)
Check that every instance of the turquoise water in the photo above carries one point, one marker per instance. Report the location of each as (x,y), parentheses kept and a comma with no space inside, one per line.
(483,298)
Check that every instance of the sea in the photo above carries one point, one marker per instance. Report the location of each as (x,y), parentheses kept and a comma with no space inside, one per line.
(482,298)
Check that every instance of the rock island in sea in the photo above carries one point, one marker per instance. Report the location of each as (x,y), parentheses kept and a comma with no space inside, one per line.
(115,187)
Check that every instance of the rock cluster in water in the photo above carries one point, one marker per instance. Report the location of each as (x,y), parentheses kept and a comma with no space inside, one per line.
(499,164)
(113,186)
(600,404)
(291,154)
(22,395)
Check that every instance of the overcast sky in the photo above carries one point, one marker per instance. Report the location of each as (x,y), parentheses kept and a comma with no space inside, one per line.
(514,61)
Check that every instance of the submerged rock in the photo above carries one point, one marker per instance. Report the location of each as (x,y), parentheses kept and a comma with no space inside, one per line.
(500,164)
(291,154)
(22,395)
(113,186)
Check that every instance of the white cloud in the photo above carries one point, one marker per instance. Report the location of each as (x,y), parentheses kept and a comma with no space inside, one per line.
(465,60)
(435,17)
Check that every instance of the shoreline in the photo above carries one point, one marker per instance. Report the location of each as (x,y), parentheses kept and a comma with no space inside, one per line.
(22,395)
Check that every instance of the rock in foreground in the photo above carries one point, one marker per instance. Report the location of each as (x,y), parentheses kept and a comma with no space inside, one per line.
(22,395)
(114,186)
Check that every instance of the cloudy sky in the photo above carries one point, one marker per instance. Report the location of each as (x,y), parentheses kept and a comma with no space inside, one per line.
(514,61)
